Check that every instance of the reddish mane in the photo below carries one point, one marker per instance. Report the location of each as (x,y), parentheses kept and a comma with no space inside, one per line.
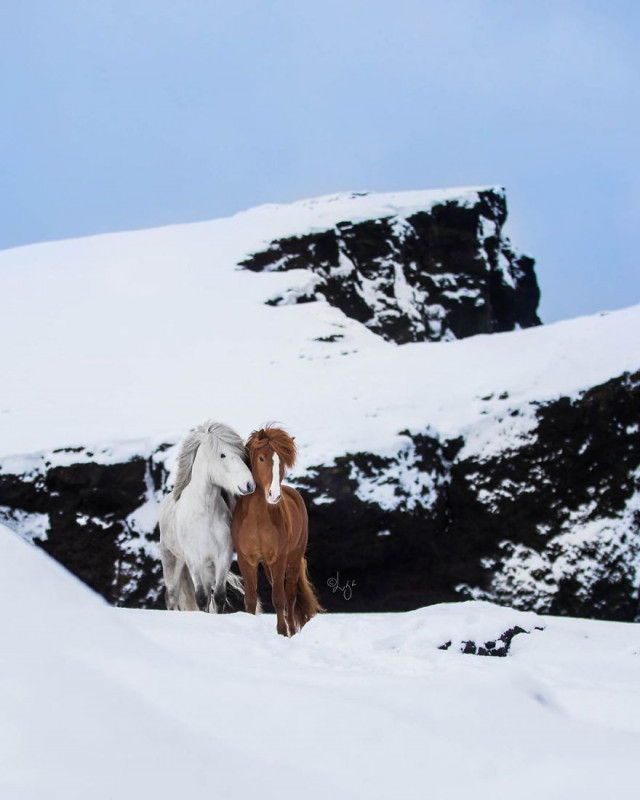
(279,440)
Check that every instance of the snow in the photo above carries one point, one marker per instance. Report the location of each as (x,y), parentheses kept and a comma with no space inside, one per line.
(136,337)
(399,484)
(29,526)
(103,702)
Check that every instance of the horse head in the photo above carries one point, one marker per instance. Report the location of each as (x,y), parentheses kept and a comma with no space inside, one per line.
(220,454)
(271,452)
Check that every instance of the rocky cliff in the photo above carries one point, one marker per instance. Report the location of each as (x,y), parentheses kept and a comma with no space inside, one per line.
(552,525)
(446,272)
(96,515)
(500,467)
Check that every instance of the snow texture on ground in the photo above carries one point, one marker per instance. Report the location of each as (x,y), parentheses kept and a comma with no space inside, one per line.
(102,702)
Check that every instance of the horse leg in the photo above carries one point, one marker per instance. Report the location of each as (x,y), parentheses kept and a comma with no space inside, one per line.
(291,590)
(202,585)
(278,596)
(210,586)
(171,571)
(214,584)
(203,597)
(219,597)
(222,567)
(249,574)
(186,591)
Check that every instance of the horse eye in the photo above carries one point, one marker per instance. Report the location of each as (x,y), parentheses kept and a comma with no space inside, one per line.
(261,458)
(223,455)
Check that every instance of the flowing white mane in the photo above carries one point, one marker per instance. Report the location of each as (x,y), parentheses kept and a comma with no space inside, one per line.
(219,434)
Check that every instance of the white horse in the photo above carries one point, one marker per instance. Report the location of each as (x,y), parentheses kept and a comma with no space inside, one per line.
(195,519)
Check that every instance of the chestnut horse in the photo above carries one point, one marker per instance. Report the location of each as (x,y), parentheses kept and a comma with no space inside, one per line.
(271,527)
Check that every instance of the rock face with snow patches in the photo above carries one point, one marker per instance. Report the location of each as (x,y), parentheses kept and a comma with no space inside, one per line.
(503,467)
(552,525)
(91,513)
(443,273)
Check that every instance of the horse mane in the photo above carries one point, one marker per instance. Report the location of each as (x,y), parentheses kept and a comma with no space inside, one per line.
(279,440)
(219,433)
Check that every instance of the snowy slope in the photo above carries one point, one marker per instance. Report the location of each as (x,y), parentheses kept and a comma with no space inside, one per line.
(143,334)
(101,702)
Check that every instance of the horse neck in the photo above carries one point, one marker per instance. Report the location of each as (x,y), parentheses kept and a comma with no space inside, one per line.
(200,486)
(280,511)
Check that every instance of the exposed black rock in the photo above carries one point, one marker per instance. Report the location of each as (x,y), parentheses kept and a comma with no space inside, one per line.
(562,510)
(393,551)
(447,272)
(500,647)
(88,506)
(550,524)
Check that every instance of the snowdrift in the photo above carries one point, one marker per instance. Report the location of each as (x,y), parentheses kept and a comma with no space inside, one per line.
(106,702)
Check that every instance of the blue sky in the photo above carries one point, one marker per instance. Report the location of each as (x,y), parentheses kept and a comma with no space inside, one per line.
(120,114)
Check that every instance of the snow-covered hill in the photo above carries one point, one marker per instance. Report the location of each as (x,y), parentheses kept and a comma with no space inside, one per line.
(131,335)
(503,467)
(101,702)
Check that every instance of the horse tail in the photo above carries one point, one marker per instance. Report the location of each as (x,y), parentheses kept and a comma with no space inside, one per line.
(307,605)
(234,582)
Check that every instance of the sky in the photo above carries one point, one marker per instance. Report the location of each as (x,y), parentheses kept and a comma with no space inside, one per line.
(126,114)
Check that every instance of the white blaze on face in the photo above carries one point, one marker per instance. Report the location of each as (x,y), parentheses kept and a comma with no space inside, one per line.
(274,491)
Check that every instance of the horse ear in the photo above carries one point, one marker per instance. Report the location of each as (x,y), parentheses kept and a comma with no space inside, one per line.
(262,434)
(293,438)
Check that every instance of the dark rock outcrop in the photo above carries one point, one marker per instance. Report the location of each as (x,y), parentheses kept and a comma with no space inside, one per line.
(499,647)
(550,525)
(444,273)
(563,510)
(90,524)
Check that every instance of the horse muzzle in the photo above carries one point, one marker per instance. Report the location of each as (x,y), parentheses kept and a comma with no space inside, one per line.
(249,488)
